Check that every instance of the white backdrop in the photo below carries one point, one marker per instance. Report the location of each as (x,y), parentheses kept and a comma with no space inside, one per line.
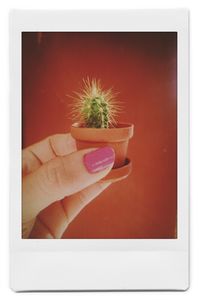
(195,140)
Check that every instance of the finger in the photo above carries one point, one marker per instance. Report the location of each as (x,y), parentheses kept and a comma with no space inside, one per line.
(27,227)
(37,154)
(40,231)
(64,176)
(75,203)
(53,221)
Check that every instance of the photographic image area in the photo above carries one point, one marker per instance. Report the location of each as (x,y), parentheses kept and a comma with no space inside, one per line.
(99,135)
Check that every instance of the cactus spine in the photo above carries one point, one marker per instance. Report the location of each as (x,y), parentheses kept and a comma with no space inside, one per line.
(95,107)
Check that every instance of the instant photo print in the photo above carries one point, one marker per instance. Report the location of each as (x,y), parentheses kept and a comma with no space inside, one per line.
(99,109)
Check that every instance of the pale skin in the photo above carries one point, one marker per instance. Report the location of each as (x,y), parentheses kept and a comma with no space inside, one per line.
(56,186)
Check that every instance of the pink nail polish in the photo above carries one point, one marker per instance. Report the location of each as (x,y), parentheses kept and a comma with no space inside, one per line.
(99,159)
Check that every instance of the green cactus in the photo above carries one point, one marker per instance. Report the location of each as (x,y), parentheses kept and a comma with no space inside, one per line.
(95,107)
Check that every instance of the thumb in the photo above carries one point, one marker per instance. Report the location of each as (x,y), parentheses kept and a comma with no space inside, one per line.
(64,176)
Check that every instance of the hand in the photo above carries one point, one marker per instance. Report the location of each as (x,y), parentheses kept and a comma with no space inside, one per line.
(58,182)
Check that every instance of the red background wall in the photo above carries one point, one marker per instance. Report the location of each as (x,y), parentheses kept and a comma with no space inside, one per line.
(142,67)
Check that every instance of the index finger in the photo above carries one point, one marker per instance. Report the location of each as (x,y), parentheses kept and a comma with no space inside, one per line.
(39,153)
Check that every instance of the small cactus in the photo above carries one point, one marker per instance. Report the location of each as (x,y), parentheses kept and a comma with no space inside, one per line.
(95,107)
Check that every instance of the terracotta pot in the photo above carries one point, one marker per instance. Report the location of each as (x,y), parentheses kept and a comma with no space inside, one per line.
(117,138)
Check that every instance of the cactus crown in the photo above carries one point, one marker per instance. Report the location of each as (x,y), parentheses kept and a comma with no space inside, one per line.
(95,107)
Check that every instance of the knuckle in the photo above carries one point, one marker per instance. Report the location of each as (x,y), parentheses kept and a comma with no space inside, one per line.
(53,138)
(53,142)
(56,172)
(58,144)
(101,186)
(82,197)
(65,210)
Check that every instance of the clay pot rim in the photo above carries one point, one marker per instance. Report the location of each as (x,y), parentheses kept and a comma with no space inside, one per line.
(120,125)
(123,132)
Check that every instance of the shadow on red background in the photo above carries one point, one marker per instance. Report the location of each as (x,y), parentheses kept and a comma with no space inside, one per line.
(142,67)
